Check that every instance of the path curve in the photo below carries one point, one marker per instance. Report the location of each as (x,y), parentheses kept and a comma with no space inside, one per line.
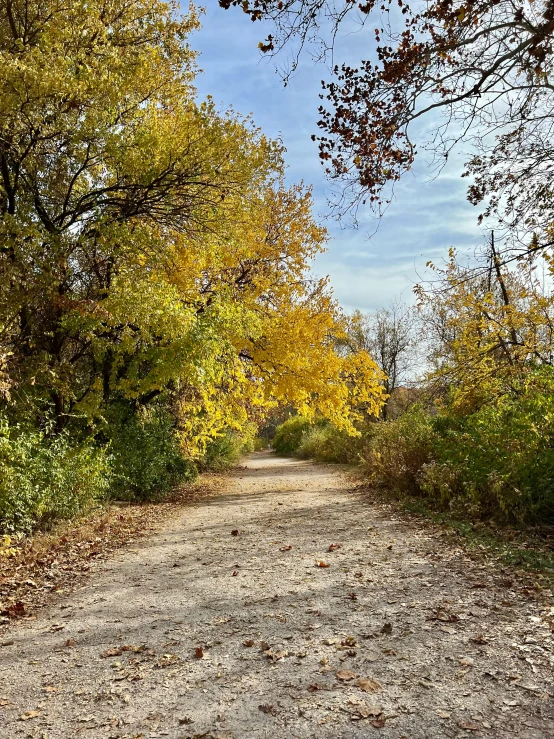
(226,624)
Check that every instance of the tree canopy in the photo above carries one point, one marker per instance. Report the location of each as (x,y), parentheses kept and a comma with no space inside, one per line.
(485,66)
(148,243)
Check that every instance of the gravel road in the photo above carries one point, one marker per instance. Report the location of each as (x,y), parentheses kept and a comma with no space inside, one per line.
(289,605)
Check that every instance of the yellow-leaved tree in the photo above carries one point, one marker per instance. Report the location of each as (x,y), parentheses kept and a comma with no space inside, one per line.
(153,263)
(491,325)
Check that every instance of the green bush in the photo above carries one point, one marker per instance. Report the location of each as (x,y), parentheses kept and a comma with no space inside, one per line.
(288,436)
(43,479)
(499,461)
(147,458)
(226,450)
(325,443)
(394,452)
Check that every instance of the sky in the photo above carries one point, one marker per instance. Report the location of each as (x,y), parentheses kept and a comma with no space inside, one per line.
(380,261)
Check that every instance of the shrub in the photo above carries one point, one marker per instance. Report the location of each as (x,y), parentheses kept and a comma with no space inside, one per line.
(499,461)
(227,449)
(288,436)
(147,457)
(43,479)
(394,452)
(325,443)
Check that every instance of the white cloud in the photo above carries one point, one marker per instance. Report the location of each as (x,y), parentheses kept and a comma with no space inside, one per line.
(368,267)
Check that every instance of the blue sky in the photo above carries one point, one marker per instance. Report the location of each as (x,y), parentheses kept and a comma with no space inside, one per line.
(427,216)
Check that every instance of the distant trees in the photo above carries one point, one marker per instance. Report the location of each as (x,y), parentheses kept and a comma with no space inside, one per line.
(390,335)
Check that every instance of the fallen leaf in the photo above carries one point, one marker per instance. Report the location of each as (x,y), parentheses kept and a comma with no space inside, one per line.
(361,708)
(346,675)
(235,573)
(349,641)
(368,684)
(15,610)
(332,547)
(320,563)
(117,651)
(70,643)
(479,639)
(113,652)
(314,687)
(28,715)
(248,643)
(166,660)
(442,614)
(269,708)
(285,549)
(198,652)
(469,725)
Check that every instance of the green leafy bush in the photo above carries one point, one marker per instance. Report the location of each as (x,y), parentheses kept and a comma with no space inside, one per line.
(43,479)
(227,449)
(288,436)
(325,443)
(499,461)
(394,452)
(147,458)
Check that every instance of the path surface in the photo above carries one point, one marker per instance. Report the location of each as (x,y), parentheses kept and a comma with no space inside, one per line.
(199,631)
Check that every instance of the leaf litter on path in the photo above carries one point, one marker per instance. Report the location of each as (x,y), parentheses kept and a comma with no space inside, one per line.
(439,652)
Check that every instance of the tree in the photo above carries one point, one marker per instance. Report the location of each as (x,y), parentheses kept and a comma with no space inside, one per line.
(488,329)
(389,335)
(150,252)
(486,66)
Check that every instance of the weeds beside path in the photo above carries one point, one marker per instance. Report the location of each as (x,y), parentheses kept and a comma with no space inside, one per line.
(285,606)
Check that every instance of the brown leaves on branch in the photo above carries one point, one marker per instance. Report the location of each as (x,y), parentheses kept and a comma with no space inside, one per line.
(485,66)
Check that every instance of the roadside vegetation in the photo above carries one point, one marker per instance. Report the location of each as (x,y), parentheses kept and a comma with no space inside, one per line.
(473,433)
(155,288)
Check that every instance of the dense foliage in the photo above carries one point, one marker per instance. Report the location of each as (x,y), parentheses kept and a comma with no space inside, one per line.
(497,462)
(288,436)
(45,477)
(155,293)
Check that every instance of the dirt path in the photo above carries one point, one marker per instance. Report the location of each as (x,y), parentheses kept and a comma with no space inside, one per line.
(223,625)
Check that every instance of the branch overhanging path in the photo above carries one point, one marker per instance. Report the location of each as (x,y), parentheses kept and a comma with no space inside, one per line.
(227,623)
